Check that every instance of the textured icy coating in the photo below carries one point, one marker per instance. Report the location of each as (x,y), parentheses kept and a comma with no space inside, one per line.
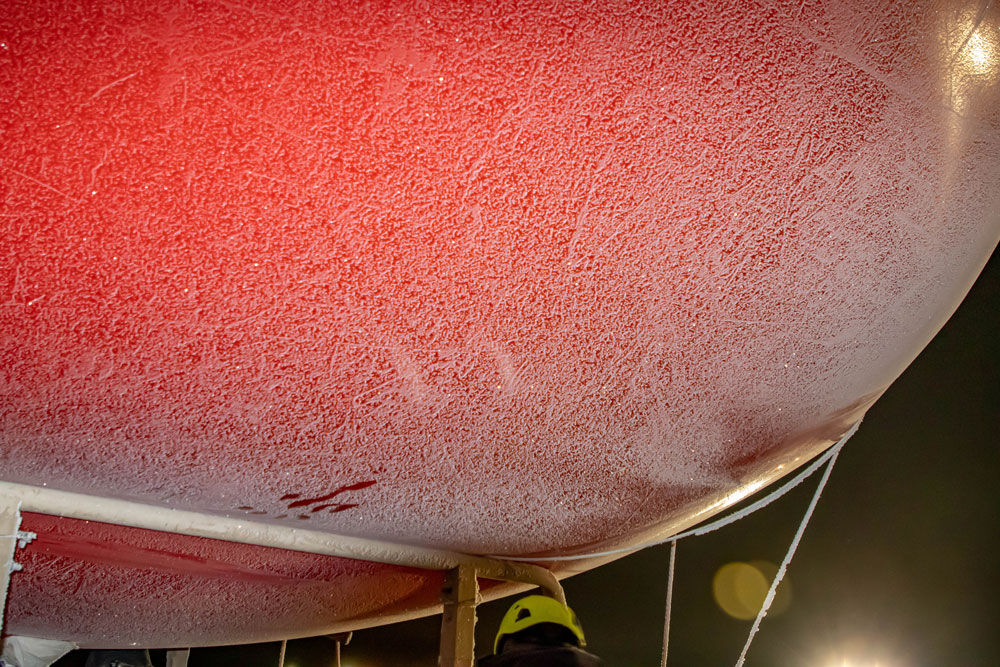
(105,585)
(499,279)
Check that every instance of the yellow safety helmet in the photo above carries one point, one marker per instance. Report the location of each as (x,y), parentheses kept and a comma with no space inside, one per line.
(535,609)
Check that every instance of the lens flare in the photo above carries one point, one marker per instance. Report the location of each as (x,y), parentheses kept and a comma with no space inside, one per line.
(740,588)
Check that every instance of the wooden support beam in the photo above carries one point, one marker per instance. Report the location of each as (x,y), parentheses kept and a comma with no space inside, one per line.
(458,622)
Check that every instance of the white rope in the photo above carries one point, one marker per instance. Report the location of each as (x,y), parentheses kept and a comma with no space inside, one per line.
(715,525)
(670,595)
(788,556)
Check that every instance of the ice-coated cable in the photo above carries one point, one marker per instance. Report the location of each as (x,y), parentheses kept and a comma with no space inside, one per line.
(715,525)
(670,596)
(788,556)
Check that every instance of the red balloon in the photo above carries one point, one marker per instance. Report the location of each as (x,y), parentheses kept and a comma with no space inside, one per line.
(491,277)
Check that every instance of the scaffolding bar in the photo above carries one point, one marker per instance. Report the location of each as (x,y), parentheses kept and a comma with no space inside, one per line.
(10,523)
(182,522)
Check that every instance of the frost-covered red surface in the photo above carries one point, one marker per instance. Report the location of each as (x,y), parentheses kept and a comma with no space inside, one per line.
(500,279)
(107,585)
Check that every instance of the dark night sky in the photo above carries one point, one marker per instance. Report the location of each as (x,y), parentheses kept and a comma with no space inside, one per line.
(897,568)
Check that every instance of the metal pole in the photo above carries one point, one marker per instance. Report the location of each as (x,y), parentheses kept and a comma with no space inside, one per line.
(10,522)
(338,639)
(458,623)
(178,657)
(281,656)
(151,517)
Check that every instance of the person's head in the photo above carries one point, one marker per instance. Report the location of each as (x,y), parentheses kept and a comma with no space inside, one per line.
(540,621)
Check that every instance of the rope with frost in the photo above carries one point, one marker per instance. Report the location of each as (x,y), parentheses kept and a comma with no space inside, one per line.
(829,454)
(829,457)
(788,556)
(670,595)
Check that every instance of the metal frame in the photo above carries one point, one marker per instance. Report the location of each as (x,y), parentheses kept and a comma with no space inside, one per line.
(182,522)
(460,594)
(10,523)
(339,639)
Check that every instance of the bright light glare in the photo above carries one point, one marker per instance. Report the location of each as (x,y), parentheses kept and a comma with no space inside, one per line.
(979,55)
(736,496)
